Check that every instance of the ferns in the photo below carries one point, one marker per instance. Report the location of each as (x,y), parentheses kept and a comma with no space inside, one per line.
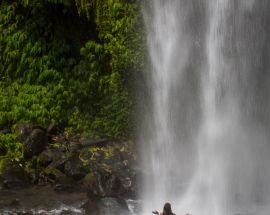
(48,73)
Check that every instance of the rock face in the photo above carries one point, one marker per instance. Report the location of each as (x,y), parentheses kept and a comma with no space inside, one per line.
(35,143)
(108,185)
(104,168)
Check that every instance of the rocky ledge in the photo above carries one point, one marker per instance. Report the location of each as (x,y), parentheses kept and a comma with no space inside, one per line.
(103,168)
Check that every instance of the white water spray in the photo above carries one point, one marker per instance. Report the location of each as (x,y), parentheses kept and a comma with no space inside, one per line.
(202,149)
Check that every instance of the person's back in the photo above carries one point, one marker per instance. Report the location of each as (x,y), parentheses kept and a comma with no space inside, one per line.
(166,210)
(166,214)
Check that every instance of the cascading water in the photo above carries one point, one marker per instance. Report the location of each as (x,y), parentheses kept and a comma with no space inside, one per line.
(205,136)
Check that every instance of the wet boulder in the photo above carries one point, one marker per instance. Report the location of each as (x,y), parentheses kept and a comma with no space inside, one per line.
(36,142)
(89,181)
(109,206)
(120,186)
(100,185)
(115,186)
(54,176)
(13,175)
(93,185)
(48,156)
(74,168)
(114,173)
(74,147)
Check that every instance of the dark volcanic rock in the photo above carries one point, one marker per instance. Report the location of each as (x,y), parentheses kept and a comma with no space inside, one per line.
(101,171)
(36,142)
(117,186)
(99,185)
(74,147)
(74,168)
(93,186)
(41,200)
(13,174)
(55,176)
(111,206)
(112,173)
(48,156)
(101,142)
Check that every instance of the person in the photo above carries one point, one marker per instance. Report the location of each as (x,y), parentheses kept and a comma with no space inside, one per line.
(167,210)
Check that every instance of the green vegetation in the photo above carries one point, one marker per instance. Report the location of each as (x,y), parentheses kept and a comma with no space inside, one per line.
(10,147)
(72,62)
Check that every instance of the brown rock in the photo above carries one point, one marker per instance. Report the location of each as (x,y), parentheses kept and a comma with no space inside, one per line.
(36,143)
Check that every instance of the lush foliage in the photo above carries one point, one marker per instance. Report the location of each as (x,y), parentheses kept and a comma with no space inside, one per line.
(70,61)
(10,147)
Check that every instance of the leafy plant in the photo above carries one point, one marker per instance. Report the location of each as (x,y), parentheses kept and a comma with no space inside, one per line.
(71,61)
(11,147)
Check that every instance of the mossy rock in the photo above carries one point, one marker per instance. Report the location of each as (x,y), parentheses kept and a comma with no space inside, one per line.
(35,143)
(48,156)
(56,145)
(88,181)
(74,147)
(43,160)
(85,155)
(56,176)
(8,163)
(4,164)
(13,173)
(74,168)
(59,162)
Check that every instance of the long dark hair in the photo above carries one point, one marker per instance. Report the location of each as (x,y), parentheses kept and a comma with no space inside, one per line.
(167,210)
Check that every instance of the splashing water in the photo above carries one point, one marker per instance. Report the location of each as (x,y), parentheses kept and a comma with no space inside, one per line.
(205,141)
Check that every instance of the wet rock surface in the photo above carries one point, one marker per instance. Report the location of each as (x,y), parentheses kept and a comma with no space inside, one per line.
(13,175)
(36,142)
(41,200)
(63,173)
(104,170)
(108,206)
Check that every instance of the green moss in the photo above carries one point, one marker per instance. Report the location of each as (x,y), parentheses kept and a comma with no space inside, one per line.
(42,160)
(57,176)
(89,180)
(9,164)
(56,145)
(4,164)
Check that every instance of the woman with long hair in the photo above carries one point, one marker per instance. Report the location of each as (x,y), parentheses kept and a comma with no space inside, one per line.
(167,210)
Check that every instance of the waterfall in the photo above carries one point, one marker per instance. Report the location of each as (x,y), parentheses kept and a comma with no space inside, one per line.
(204,141)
